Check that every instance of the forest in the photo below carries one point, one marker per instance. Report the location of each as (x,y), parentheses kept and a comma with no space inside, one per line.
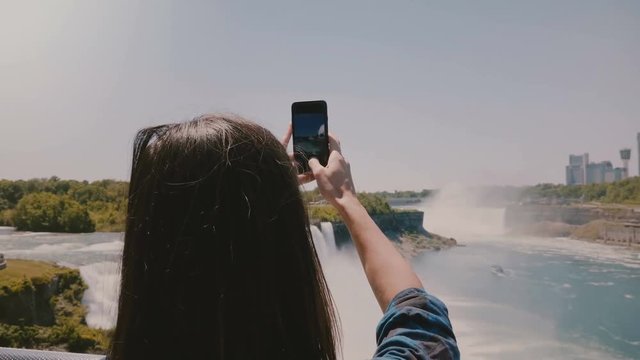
(56,205)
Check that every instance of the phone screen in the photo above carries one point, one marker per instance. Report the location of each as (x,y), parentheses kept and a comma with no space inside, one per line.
(310,133)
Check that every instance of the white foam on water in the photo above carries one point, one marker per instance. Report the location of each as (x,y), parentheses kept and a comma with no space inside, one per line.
(36,234)
(487,330)
(619,338)
(104,247)
(6,230)
(50,248)
(576,249)
(101,298)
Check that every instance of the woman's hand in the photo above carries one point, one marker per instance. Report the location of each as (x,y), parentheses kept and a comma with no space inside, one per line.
(334,180)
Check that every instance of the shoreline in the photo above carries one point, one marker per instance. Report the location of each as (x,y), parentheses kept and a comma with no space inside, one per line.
(607,224)
(593,232)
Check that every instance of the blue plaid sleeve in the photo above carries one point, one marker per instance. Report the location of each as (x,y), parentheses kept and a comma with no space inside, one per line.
(415,326)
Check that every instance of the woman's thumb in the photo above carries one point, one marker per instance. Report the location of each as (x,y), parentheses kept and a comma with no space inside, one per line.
(315,165)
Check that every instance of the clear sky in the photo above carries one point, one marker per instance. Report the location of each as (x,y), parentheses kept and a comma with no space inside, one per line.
(421,93)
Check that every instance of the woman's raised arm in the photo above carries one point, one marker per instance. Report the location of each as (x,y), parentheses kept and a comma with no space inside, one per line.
(387,271)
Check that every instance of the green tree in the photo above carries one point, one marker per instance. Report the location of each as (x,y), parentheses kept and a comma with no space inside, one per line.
(375,204)
(109,216)
(310,196)
(324,213)
(48,212)
(11,191)
(6,217)
(4,204)
(88,193)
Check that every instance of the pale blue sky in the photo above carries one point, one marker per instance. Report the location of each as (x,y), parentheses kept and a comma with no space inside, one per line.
(421,93)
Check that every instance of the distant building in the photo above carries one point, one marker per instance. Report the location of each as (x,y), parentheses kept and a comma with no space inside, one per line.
(577,169)
(620,174)
(580,171)
(598,173)
(625,155)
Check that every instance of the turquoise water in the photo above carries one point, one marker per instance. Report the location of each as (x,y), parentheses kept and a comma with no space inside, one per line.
(509,298)
(539,298)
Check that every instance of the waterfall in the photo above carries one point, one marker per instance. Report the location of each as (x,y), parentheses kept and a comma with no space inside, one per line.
(101,298)
(458,211)
(324,240)
(329,237)
(319,241)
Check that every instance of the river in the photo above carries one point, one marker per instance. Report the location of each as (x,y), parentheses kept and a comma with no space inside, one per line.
(509,298)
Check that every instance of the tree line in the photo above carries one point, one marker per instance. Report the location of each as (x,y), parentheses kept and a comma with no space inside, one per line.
(314,196)
(374,203)
(60,205)
(63,205)
(406,194)
(626,191)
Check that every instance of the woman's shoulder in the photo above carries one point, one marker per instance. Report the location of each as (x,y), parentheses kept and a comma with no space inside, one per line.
(416,325)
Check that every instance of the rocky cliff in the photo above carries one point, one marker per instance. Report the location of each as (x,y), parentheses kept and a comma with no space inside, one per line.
(40,307)
(30,292)
(612,224)
(404,228)
(518,215)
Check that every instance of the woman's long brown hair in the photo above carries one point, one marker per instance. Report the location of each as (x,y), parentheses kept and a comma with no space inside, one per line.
(218,259)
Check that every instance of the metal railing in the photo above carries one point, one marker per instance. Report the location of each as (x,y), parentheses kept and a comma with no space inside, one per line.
(24,354)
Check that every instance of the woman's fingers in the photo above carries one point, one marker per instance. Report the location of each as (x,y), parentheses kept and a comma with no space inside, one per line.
(334,143)
(315,166)
(287,136)
(305,178)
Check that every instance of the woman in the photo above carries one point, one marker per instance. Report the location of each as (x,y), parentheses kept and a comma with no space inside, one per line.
(219,263)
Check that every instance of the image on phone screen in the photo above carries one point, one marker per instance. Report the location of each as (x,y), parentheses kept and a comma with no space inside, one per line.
(310,139)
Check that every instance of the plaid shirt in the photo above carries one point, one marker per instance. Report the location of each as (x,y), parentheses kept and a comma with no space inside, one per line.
(415,326)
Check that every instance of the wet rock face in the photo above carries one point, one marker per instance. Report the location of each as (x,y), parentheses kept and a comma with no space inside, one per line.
(27,305)
(611,224)
(36,300)
(405,229)
(393,225)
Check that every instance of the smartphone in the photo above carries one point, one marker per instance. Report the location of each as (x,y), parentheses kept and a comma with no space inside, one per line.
(310,133)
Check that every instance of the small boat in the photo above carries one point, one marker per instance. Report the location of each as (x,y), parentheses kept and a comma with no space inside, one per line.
(497,270)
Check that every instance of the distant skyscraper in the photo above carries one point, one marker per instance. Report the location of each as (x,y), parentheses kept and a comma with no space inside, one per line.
(625,155)
(601,172)
(580,171)
(576,171)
